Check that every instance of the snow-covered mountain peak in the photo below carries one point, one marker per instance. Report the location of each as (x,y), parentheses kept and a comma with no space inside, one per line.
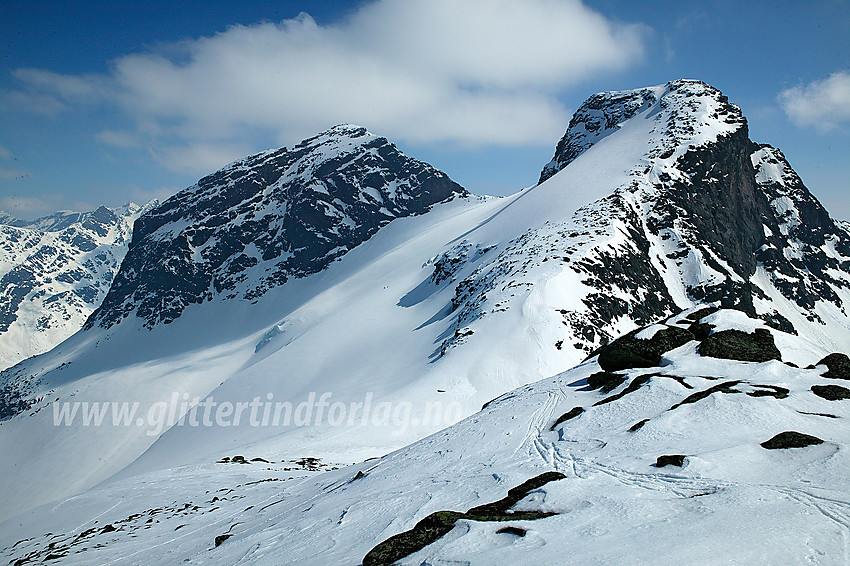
(343,134)
(686,113)
(268,218)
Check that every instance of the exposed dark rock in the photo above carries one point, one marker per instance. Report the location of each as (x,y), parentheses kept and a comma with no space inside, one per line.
(571,414)
(738,345)
(725,206)
(778,322)
(631,352)
(795,252)
(636,384)
(670,460)
(700,314)
(838,366)
(678,379)
(791,439)
(13,402)
(605,381)
(626,268)
(700,330)
(437,524)
(595,119)
(512,531)
(725,387)
(310,463)
(221,538)
(827,415)
(488,403)
(638,425)
(425,532)
(831,392)
(769,391)
(515,494)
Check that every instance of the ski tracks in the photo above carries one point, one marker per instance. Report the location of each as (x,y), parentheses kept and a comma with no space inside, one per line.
(836,511)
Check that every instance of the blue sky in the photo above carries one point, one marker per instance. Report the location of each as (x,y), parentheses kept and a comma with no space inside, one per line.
(104,102)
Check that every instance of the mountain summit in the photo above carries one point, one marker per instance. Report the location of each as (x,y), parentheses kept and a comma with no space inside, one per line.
(268,218)
(722,215)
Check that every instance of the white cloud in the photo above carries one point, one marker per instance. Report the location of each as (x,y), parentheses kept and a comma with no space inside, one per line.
(50,93)
(475,72)
(84,88)
(823,104)
(5,153)
(29,206)
(199,157)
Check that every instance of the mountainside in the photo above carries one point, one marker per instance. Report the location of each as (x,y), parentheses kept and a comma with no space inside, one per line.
(694,441)
(343,267)
(54,272)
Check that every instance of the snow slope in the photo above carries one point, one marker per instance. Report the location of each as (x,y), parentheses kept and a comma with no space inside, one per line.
(731,500)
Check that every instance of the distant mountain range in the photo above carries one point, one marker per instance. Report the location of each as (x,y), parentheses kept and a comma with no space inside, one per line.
(54,271)
(343,266)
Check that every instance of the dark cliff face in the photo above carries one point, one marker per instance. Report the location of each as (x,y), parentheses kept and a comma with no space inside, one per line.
(257,223)
(740,213)
(722,201)
(795,251)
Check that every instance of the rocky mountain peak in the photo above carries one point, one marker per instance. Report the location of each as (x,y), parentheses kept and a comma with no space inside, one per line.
(699,213)
(686,112)
(262,220)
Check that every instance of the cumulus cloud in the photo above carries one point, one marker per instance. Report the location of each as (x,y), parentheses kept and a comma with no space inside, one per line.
(824,104)
(472,73)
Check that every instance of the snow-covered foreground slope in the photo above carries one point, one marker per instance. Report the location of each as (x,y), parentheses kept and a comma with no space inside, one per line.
(407,293)
(725,498)
(54,272)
